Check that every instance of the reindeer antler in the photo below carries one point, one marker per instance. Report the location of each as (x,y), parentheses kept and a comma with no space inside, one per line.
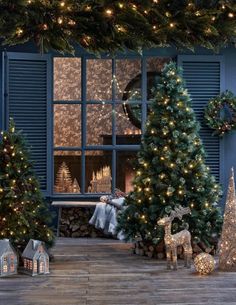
(179,212)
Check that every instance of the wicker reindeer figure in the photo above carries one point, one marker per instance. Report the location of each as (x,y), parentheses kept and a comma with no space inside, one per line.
(172,241)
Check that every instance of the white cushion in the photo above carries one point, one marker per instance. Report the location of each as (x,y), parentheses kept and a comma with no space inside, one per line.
(118,202)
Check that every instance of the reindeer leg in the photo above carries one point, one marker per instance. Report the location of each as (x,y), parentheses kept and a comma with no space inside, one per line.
(185,257)
(168,257)
(174,258)
(189,254)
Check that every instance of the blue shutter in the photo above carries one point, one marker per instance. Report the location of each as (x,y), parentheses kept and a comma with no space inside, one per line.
(27,99)
(203,75)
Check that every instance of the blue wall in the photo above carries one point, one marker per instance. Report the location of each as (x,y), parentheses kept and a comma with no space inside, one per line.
(228,142)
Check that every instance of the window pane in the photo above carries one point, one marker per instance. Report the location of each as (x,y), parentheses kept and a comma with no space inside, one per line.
(128,79)
(128,117)
(99,124)
(67,79)
(154,67)
(98,171)
(125,170)
(99,79)
(67,171)
(67,125)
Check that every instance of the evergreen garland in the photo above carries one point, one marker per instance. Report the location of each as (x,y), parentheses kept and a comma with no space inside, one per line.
(107,25)
(220,113)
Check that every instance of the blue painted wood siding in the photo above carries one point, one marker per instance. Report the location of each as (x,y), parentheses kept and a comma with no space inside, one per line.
(27,83)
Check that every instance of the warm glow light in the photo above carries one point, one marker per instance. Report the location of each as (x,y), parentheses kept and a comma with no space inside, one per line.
(109,12)
(60,20)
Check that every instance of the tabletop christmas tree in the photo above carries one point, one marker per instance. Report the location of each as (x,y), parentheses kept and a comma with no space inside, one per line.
(23,212)
(227,251)
(64,182)
(171,171)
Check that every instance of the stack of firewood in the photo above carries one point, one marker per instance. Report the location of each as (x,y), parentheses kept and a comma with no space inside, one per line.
(158,251)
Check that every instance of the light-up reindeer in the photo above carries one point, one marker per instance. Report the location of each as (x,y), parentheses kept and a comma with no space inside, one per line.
(172,241)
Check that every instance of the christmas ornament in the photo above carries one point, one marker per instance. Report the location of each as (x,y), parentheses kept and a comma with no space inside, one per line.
(35,258)
(204,263)
(75,186)
(101,181)
(8,258)
(172,241)
(63,180)
(227,251)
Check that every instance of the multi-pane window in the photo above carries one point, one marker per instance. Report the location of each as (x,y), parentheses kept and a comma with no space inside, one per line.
(100,107)
(5,264)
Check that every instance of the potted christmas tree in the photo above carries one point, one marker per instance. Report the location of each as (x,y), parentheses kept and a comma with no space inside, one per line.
(23,212)
(171,172)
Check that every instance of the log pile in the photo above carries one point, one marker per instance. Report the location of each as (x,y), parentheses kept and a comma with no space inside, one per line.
(146,248)
(75,223)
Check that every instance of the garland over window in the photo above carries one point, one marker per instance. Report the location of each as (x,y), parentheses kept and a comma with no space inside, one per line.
(220,113)
(110,25)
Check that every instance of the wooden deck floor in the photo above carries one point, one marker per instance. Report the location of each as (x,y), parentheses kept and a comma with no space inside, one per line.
(104,272)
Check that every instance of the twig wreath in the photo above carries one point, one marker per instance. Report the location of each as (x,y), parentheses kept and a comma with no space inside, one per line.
(220,113)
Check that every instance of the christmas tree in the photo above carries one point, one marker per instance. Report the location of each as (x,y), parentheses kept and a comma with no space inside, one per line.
(23,212)
(63,180)
(227,253)
(171,170)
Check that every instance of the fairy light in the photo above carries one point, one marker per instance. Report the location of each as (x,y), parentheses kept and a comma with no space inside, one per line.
(62,4)
(19,32)
(60,20)
(109,12)
(230,15)
(121,5)
(88,8)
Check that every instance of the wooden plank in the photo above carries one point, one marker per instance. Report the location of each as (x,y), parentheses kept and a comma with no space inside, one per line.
(104,272)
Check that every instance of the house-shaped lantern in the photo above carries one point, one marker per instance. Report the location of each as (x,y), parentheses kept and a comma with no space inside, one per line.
(8,258)
(35,258)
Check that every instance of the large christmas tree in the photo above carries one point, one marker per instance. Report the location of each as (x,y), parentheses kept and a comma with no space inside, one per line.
(23,212)
(171,170)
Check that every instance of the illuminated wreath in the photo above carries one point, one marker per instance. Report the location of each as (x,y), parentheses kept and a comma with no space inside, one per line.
(220,113)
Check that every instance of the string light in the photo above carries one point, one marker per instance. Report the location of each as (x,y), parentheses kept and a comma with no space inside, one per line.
(109,12)
(60,20)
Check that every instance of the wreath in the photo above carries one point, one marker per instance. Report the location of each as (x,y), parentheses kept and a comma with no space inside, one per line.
(220,113)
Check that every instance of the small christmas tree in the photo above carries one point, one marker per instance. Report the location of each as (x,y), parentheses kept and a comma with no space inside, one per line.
(75,186)
(171,170)
(227,251)
(23,212)
(63,180)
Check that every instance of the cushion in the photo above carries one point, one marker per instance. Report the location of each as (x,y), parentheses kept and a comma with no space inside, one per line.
(118,202)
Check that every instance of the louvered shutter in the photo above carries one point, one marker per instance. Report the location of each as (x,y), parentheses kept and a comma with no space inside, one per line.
(202,75)
(27,100)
